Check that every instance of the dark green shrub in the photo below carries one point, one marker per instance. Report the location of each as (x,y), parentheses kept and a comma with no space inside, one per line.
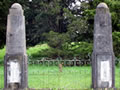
(116,43)
(81,49)
(56,40)
(38,51)
(55,53)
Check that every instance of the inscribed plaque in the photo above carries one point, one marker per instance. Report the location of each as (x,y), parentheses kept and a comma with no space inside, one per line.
(105,71)
(14,72)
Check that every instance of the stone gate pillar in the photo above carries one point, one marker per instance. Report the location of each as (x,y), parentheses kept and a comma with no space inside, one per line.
(15,63)
(103,55)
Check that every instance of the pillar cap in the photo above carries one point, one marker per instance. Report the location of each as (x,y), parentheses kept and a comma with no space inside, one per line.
(16,6)
(16,9)
(102,5)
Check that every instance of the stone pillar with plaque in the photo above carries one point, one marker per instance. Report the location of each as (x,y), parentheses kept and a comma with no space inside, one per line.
(103,55)
(15,63)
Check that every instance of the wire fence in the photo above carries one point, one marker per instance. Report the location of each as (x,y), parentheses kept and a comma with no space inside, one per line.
(60,74)
(57,74)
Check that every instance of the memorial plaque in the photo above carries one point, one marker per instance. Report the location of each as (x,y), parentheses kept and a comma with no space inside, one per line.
(105,71)
(105,68)
(14,72)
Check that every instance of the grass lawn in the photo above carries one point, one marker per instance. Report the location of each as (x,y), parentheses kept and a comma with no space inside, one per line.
(50,77)
(69,78)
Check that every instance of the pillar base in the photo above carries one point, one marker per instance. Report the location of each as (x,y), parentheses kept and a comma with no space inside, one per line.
(15,79)
(105,89)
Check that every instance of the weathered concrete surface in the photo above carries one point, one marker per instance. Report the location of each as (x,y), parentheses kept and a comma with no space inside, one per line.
(103,56)
(15,63)
(105,89)
(16,42)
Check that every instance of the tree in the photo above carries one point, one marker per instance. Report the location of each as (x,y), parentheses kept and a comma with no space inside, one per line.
(43,16)
(3,19)
(57,40)
(58,43)
(56,15)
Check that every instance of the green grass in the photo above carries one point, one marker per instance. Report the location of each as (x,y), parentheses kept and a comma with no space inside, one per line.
(2,53)
(70,78)
(1,76)
(50,77)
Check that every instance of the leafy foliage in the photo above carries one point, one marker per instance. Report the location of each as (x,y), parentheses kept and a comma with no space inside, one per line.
(44,16)
(82,50)
(37,51)
(56,40)
(116,42)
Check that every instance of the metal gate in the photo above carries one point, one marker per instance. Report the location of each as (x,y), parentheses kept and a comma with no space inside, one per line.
(59,74)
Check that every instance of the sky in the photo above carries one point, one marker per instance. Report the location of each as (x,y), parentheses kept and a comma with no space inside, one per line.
(77,4)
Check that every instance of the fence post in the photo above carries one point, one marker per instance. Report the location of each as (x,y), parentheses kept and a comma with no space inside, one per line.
(75,61)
